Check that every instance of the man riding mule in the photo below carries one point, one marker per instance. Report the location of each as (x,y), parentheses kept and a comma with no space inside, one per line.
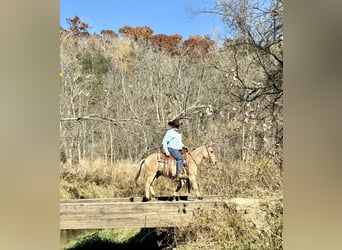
(157,164)
(173,146)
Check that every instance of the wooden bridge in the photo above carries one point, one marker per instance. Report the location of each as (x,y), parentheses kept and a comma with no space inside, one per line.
(132,212)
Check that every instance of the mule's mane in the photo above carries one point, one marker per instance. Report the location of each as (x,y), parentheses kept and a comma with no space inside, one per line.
(197,149)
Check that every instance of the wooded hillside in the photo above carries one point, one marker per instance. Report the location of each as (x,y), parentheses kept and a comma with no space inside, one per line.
(119,90)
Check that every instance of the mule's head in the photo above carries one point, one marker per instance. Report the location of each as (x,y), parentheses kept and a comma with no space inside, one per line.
(209,154)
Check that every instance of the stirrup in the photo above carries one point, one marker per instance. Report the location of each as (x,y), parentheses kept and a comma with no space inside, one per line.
(182,176)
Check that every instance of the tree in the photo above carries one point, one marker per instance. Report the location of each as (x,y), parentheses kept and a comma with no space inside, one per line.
(109,33)
(254,70)
(118,94)
(198,47)
(170,44)
(77,27)
(140,33)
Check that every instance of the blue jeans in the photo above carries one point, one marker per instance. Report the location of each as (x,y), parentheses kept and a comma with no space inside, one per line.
(177,155)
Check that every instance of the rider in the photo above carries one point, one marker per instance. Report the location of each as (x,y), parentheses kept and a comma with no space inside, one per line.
(172,145)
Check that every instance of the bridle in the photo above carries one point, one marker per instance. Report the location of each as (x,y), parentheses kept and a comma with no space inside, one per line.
(209,154)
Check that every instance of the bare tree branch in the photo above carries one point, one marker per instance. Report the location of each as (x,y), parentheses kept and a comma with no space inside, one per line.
(96,117)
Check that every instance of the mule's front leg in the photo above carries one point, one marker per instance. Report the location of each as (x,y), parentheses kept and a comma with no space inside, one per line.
(179,186)
(153,194)
(195,187)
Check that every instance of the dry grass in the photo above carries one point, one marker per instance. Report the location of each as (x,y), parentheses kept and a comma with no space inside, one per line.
(227,228)
(239,179)
(97,180)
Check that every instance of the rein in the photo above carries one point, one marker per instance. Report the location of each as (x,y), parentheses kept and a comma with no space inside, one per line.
(193,160)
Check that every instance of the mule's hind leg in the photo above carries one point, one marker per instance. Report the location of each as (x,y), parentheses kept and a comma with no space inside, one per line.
(148,188)
(148,185)
(151,186)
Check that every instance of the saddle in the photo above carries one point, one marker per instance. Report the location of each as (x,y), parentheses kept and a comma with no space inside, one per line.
(170,160)
(183,152)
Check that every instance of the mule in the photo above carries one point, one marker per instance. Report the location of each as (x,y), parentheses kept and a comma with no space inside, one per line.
(155,166)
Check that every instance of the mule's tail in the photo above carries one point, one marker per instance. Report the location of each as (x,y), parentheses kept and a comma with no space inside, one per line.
(141,163)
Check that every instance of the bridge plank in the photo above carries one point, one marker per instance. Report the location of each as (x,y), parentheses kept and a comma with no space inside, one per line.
(135,199)
(109,213)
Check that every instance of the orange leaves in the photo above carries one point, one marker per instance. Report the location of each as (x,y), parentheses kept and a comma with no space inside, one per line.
(167,43)
(197,46)
(137,33)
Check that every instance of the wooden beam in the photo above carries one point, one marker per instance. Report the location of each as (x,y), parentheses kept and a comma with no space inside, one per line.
(125,212)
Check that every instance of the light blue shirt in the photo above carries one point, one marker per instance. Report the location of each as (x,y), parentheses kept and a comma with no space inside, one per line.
(172,139)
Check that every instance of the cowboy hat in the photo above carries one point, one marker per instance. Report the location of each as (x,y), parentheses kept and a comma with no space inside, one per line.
(175,122)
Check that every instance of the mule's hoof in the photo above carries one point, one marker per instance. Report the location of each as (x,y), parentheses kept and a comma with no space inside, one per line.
(145,199)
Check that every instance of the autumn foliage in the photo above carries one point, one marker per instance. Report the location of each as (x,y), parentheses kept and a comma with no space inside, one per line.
(196,46)
(141,33)
(77,27)
(167,43)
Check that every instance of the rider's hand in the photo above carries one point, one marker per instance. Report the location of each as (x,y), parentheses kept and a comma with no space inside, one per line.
(167,153)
